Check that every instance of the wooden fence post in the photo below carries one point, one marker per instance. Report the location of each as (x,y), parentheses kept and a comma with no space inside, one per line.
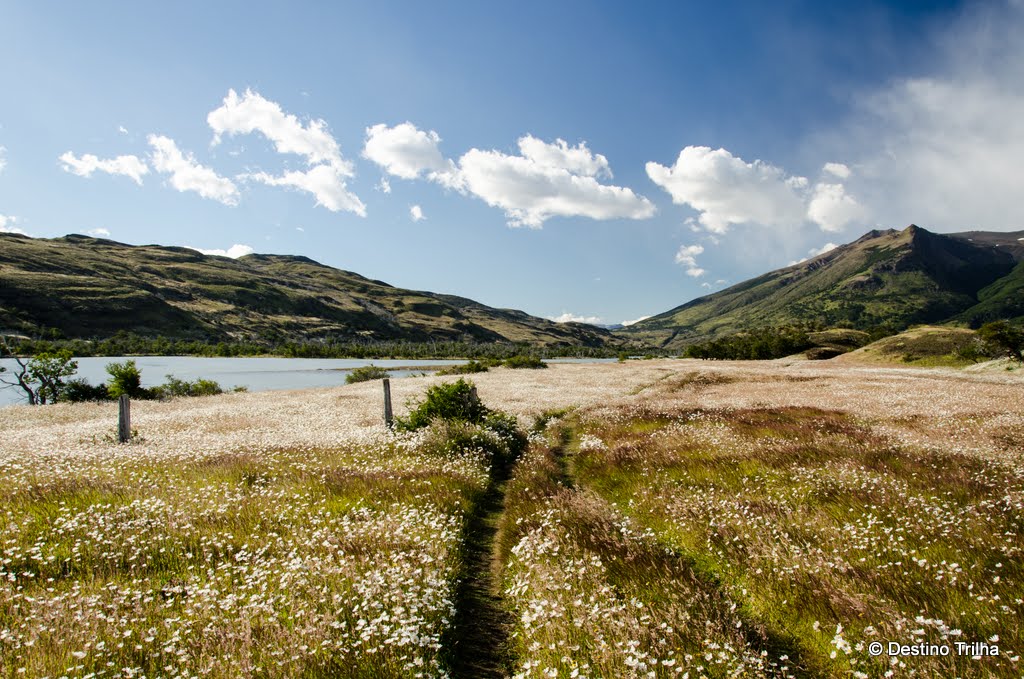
(387,402)
(124,419)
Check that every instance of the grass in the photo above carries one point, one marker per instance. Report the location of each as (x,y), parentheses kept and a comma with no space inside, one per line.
(824,535)
(719,523)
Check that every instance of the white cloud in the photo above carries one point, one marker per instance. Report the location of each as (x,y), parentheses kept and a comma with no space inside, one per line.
(827,247)
(727,190)
(548,180)
(416,213)
(128,166)
(3,158)
(837,170)
(122,129)
(252,113)
(7,225)
(384,186)
(626,324)
(687,257)
(944,149)
(189,175)
(567,317)
(407,152)
(576,159)
(234,252)
(98,233)
(328,170)
(323,181)
(831,208)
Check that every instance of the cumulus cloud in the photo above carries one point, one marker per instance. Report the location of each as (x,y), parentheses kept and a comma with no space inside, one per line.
(3,158)
(98,233)
(548,180)
(827,247)
(234,252)
(567,317)
(384,186)
(545,180)
(409,153)
(687,257)
(831,208)
(626,324)
(323,181)
(129,166)
(727,190)
(943,149)
(189,175)
(328,169)
(416,213)
(815,252)
(252,113)
(837,170)
(7,225)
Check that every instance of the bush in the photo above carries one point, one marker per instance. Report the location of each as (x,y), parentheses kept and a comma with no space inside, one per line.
(175,388)
(1004,338)
(365,374)
(126,378)
(464,369)
(447,401)
(79,390)
(523,361)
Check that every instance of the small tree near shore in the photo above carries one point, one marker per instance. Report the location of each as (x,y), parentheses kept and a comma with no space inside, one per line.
(41,378)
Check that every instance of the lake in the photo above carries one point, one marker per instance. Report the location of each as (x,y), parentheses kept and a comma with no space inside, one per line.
(256,374)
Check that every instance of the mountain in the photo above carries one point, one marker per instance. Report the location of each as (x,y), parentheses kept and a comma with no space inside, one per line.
(92,288)
(890,278)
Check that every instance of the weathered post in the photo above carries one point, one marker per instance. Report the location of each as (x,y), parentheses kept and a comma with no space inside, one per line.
(474,399)
(124,419)
(387,402)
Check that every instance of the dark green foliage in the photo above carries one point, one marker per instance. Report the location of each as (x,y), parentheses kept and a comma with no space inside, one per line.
(524,361)
(49,370)
(79,390)
(365,374)
(174,387)
(1005,338)
(447,401)
(761,344)
(464,369)
(126,378)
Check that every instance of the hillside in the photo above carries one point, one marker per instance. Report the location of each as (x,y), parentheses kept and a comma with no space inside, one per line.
(88,287)
(885,278)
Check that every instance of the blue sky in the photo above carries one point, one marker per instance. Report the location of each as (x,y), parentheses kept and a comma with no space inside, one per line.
(573,159)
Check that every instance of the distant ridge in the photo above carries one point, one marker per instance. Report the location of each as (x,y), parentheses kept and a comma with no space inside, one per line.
(93,288)
(884,278)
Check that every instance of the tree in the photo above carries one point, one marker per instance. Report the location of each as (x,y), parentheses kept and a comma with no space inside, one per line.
(1005,338)
(41,377)
(125,378)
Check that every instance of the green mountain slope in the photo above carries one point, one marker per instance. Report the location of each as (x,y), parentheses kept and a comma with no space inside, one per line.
(892,278)
(88,287)
(1003,299)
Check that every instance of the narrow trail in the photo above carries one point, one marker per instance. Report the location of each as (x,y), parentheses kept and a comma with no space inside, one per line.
(478,639)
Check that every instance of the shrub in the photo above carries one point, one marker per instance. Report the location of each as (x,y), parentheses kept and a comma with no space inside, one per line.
(365,374)
(464,369)
(1004,338)
(447,401)
(175,388)
(79,390)
(126,378)
(524,361)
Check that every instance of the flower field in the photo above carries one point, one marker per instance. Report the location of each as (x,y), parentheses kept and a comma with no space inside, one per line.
(673,518)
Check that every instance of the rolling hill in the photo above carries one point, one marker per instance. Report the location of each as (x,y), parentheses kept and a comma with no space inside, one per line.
(885,278)
(93,288)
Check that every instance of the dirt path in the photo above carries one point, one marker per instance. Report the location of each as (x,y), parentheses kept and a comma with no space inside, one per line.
(478,637)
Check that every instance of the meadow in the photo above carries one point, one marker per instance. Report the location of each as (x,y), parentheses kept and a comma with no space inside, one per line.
(669,518)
